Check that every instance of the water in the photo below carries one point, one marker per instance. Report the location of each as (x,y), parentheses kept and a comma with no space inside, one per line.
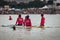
(7,33)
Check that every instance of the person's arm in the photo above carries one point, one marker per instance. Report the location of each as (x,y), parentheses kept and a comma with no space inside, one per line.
(44,20)
(16,21)
(30,23)
(23,21)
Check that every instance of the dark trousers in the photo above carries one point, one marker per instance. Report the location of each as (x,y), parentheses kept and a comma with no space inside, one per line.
(19,24)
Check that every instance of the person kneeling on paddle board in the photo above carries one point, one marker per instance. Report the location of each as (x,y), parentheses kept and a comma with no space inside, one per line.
(27,22)
(19,21)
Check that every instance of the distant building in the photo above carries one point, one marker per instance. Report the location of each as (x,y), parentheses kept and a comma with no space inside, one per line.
(6,7)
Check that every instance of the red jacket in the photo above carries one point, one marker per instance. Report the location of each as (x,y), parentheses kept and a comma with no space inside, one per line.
(42,21)
(19,21)
(10,18)
(27,22)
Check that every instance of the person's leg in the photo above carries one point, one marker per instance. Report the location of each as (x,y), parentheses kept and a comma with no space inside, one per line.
(42,26)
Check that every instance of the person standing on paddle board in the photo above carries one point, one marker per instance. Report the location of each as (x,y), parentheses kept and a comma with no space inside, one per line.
(42,21)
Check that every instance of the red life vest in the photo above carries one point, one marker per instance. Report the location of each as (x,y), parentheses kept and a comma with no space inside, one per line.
(19,21)
(42,21)
(27,22)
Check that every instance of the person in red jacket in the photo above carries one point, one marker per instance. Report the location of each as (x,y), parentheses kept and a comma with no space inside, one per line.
(19,20)
(27,21)
(10,18)
(42,21)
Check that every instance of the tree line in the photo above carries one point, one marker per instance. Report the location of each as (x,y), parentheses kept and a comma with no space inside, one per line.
(31,4)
